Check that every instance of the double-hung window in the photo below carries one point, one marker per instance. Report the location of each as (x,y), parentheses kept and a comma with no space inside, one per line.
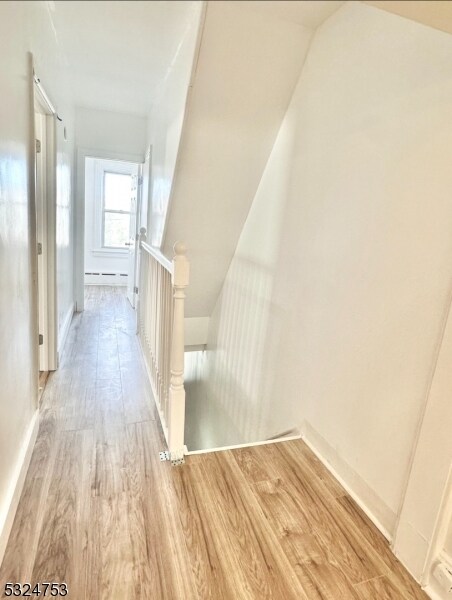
(116,207)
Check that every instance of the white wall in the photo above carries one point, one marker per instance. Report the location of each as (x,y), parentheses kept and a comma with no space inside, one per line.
(25,27)
(65,222)
(56,81)
(334,303)
(111,132)
(448,544)
(424,517)
(165,125)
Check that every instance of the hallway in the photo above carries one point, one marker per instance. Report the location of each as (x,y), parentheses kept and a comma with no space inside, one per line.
(100,512)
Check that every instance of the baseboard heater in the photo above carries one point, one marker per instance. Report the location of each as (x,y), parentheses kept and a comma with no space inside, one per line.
(105,278)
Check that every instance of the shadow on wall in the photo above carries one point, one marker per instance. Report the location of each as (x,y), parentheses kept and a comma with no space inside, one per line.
(239,403)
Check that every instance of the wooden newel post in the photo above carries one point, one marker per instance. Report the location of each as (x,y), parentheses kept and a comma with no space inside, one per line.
(180,278)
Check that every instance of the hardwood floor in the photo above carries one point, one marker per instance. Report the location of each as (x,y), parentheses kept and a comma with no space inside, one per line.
(100,512)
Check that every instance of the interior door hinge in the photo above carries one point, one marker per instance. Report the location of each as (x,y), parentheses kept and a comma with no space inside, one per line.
(41,339)
(39,248)
(140,180)
(135,290)
(38,146)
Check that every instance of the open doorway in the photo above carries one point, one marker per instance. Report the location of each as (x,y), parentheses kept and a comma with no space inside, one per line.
(45,222)
(112,203)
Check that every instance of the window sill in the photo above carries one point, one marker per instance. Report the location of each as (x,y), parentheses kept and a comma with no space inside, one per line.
(104,251)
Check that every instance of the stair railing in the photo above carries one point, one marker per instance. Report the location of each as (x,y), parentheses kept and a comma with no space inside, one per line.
(160,326)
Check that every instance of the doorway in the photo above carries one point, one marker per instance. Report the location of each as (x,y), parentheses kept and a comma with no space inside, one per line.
(45,235)
(112,205)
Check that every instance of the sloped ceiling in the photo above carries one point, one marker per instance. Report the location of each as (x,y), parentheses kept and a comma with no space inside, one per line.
(250,59)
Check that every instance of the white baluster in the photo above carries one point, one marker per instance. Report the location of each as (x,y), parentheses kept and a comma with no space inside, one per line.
(176,417)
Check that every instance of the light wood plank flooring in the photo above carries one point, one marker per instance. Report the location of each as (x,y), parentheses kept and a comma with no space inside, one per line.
(102,513)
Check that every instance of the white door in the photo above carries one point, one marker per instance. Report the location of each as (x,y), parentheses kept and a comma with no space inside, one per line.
(132,243)
(45,223)
(138,218)
(41,238)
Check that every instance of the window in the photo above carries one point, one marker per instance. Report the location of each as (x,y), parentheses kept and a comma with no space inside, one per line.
(117,195)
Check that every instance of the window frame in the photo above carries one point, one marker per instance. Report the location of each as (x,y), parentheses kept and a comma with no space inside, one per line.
(109,171)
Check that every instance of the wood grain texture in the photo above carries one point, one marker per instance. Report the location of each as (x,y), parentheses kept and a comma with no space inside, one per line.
(101,512)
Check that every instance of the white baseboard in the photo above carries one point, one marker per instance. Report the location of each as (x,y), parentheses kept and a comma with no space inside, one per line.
(100,284)
(109,278)
(249,445)
(62,334)
(366,498)
(433,589)
(8,511)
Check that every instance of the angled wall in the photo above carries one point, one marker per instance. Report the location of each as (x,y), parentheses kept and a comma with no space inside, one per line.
(166,120)
(334,304)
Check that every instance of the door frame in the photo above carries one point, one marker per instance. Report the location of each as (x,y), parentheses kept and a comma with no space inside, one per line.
(133,240)
(79,221)
(47,359)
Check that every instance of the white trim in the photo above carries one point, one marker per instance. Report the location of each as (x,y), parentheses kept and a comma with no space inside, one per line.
(436,550)
(52,296)
(64,330)
(111,279)
(109,251)
(103,283)
(12,496)
(46,207)
(101,170)
(378,512)
(249,445)
(47,354)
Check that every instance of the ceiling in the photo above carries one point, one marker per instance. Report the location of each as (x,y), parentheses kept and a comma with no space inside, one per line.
(119,52)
